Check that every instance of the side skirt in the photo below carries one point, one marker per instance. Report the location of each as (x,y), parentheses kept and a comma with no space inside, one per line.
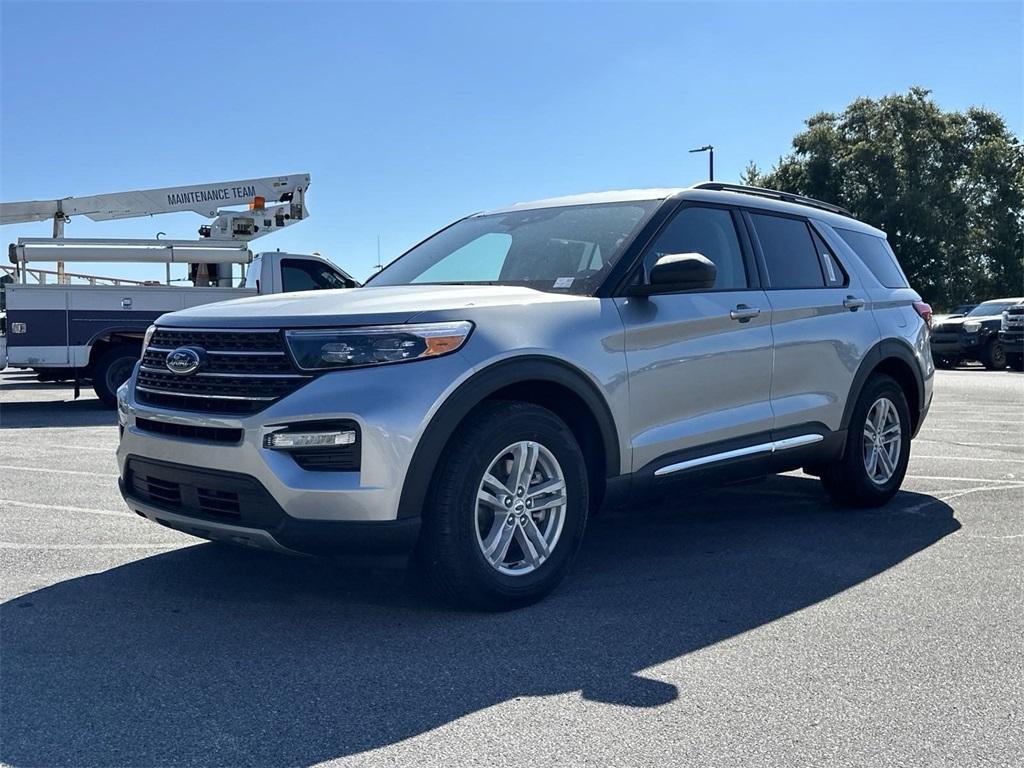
(729,462)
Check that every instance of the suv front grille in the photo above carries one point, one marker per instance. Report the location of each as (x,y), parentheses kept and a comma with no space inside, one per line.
(1014,318)
(241,371)
(190,431)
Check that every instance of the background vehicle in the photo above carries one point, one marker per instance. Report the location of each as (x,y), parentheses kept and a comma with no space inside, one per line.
(94,329)
(959,311)
(975,336)
(500,381)
(1011,336)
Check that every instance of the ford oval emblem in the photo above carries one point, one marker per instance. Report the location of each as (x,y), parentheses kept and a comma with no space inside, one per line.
(183,360)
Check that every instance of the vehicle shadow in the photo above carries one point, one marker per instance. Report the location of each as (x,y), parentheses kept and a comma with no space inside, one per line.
(216,656)
(87,412)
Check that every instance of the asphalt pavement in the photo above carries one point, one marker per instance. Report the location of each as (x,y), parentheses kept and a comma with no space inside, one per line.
(748,626)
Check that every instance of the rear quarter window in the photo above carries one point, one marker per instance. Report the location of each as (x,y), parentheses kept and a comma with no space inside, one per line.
(877,256)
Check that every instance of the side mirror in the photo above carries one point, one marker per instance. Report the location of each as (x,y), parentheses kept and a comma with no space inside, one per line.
(677,272)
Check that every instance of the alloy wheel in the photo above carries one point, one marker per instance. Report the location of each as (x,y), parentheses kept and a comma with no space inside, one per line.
(883,438)
(520,508)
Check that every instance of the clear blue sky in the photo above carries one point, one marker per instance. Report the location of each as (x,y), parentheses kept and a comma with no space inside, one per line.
(408,116)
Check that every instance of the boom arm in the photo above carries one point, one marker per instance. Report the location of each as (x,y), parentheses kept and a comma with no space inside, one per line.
(285,195)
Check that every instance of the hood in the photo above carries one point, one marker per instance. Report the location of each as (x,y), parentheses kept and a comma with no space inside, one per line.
(958,320)
(355,306)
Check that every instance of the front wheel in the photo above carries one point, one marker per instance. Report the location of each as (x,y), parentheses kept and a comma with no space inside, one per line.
(111,370)
(877,447)
(507,508)
(993,357)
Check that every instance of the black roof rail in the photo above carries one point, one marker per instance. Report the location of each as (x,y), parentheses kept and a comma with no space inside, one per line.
(774,194)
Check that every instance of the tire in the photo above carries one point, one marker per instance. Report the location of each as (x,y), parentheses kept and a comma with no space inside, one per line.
(849,481)
(111,370)
(1015,361)
(993,357)
(458,526)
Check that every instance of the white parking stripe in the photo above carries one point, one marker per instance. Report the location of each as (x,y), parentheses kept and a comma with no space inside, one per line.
(12,545)
(20,449)
(950,495)
(48,470)
(1014,430)
(972,445)
(59,508)
(966,458)
(986,421)
(1012,483)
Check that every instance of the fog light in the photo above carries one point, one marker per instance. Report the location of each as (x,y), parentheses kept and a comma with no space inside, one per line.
(290,441)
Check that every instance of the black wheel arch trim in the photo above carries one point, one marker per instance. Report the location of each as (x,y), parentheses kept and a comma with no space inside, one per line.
(479,387)
(115,335)
(884,350)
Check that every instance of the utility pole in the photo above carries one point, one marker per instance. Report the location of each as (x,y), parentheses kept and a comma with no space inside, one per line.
(711,159)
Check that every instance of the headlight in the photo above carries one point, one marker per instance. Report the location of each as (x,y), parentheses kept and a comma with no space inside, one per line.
(972,327)
(122,405)
(148,337)
(374,345)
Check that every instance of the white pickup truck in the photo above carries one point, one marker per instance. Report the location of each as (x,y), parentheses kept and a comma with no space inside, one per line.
(95,331)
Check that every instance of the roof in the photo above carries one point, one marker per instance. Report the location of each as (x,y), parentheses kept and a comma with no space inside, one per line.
(750,199)
(592,198)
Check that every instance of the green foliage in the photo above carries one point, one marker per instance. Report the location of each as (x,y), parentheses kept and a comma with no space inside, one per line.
(946,187)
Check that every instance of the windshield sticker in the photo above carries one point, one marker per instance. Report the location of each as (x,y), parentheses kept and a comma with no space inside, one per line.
(564,282)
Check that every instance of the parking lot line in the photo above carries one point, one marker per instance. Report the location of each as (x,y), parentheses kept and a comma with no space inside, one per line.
(985,421)
(967,458)
(12,545)
(972,445)
(1013,483)
(1015,430)
(61,508)
(48,470)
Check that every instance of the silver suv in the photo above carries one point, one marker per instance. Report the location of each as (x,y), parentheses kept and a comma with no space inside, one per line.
(524,367)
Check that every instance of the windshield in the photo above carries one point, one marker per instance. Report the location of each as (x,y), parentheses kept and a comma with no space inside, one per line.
(991,308)
(567,249)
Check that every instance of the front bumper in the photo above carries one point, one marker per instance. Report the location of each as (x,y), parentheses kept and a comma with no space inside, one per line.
(958,345)
(328,508)
(234,508)
(1012,342)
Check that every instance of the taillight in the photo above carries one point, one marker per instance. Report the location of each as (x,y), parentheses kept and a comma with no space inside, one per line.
(925,311)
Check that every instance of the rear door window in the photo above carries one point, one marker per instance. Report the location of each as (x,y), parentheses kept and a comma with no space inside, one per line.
(790,255)
(877,256)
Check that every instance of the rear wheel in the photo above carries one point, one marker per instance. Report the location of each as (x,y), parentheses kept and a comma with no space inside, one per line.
(945,363)
(506,511)
(877,448)
(111,370)
(993,356)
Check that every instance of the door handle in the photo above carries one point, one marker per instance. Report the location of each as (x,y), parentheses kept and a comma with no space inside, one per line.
(852,303)
(743,313)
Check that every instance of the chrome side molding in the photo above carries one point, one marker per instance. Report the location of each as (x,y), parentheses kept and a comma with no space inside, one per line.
(750,450)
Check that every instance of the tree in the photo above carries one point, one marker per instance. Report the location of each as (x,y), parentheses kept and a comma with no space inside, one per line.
(946,187)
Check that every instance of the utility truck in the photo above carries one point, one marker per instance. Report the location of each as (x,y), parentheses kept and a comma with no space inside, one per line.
(87,327)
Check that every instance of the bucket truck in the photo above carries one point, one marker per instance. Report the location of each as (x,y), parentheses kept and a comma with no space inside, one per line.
(95,330)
